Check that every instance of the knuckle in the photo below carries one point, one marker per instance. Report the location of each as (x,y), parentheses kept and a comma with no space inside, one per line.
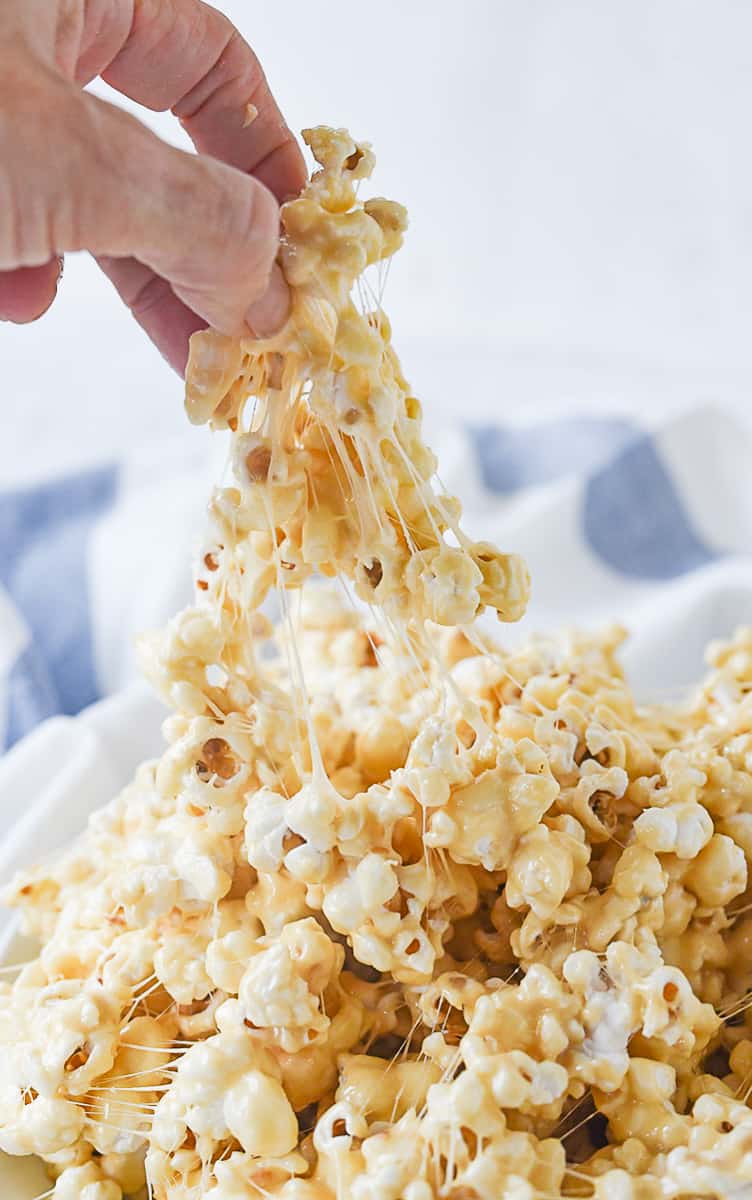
(252,247)
(29,93)
(232,77)
(241,66)
(67,163)
(243,224)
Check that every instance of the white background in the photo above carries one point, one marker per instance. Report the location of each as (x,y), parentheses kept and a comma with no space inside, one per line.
(578,179)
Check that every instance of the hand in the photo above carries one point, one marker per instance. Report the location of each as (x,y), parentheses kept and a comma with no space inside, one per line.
(188,240)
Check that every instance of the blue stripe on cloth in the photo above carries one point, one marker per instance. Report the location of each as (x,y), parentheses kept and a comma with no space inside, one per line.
(634,518)
(512,458)
(44,534)
(31,697)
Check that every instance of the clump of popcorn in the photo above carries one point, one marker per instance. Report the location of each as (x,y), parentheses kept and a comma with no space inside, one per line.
(331,472)
(421,986)
(398,915)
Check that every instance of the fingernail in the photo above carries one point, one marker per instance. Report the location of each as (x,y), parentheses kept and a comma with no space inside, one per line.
(267,315)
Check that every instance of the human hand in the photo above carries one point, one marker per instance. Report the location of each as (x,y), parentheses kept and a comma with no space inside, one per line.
(188,240)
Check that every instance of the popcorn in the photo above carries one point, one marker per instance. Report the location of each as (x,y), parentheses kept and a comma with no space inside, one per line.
(719,873)
(398,913)
(282,986)
(227,1087)
(334,467)
(86,1183)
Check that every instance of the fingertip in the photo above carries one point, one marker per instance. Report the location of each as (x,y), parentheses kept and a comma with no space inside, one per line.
(267,315)
(27,293)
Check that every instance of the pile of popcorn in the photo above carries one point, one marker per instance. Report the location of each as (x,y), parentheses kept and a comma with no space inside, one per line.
(398,915)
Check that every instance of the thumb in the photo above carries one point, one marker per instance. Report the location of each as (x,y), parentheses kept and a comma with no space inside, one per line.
(99,180)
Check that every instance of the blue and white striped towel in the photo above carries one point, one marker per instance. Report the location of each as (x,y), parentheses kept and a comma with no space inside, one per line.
(653,528)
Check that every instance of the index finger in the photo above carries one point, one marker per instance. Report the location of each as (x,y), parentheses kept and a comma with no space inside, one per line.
(186,56)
